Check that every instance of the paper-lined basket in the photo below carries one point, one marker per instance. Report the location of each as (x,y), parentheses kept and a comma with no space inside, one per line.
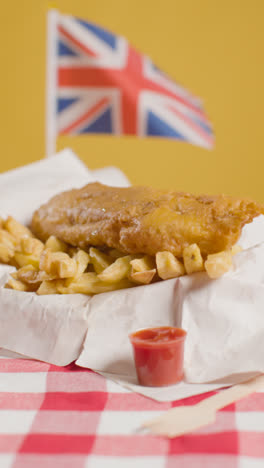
(223,318)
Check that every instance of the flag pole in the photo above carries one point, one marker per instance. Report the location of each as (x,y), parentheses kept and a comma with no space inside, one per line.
(51,81)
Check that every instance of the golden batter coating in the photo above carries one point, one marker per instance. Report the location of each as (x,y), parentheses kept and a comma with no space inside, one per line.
(143,219)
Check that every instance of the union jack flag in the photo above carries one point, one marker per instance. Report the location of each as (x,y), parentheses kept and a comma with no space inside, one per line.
(98,83)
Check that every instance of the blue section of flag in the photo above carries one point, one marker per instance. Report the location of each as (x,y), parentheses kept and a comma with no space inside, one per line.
(102,34)
(154,67)
(203,125)
(158,70)
(101,125)
(158,127)
(64,50)
(63,103)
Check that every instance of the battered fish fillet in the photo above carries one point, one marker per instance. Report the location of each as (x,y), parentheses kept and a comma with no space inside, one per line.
(144,220)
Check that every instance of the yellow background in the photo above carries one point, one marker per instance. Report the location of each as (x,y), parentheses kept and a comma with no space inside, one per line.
(214,48)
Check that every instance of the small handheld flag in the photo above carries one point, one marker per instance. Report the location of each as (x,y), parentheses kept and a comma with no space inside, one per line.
(98,83)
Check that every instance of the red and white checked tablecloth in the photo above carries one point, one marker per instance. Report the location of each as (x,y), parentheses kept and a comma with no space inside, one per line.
(73,418)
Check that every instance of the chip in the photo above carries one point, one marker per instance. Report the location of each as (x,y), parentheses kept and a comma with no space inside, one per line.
(218,264)
(117,271)
(192,259)
(169,266)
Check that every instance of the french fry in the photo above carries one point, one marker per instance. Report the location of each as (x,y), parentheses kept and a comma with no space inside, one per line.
(26,274)
(143,264)
(142,277)
(82,284)
(192,259)
(14,275)
(16,229)
(102,286)
(169,266)
(143,269)
(117,271)
(6,253)
(82,259)
(99,260)
(218,264)
(31,246)
(7,239)
(236,249)
(63,265)
(55,267)
(45,260)
(25,259)
(16,284)
(89,283)
(56,245)
(115,253)
(47,287)
(31,276)
(58,264)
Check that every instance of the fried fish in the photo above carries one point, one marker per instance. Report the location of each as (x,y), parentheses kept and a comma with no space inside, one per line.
(143,219)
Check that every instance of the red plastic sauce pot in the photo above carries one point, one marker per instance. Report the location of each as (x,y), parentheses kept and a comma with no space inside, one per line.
(158,354)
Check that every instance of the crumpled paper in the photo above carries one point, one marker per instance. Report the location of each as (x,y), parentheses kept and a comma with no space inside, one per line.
(223,318)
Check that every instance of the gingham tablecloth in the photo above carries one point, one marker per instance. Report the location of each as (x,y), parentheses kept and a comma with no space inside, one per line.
(73,418)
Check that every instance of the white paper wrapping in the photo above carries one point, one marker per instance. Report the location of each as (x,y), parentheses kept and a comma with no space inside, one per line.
(43,328)
(223,318)
(24,189)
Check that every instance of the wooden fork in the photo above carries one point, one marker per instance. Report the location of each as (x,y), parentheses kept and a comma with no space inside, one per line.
(184,419)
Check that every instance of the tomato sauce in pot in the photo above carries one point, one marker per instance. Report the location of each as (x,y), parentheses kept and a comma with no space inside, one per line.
(158,354)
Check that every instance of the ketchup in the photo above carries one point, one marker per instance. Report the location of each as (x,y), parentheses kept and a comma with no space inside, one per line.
(158,354)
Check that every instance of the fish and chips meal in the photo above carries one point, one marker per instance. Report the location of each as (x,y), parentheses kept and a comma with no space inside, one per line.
(99,238)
